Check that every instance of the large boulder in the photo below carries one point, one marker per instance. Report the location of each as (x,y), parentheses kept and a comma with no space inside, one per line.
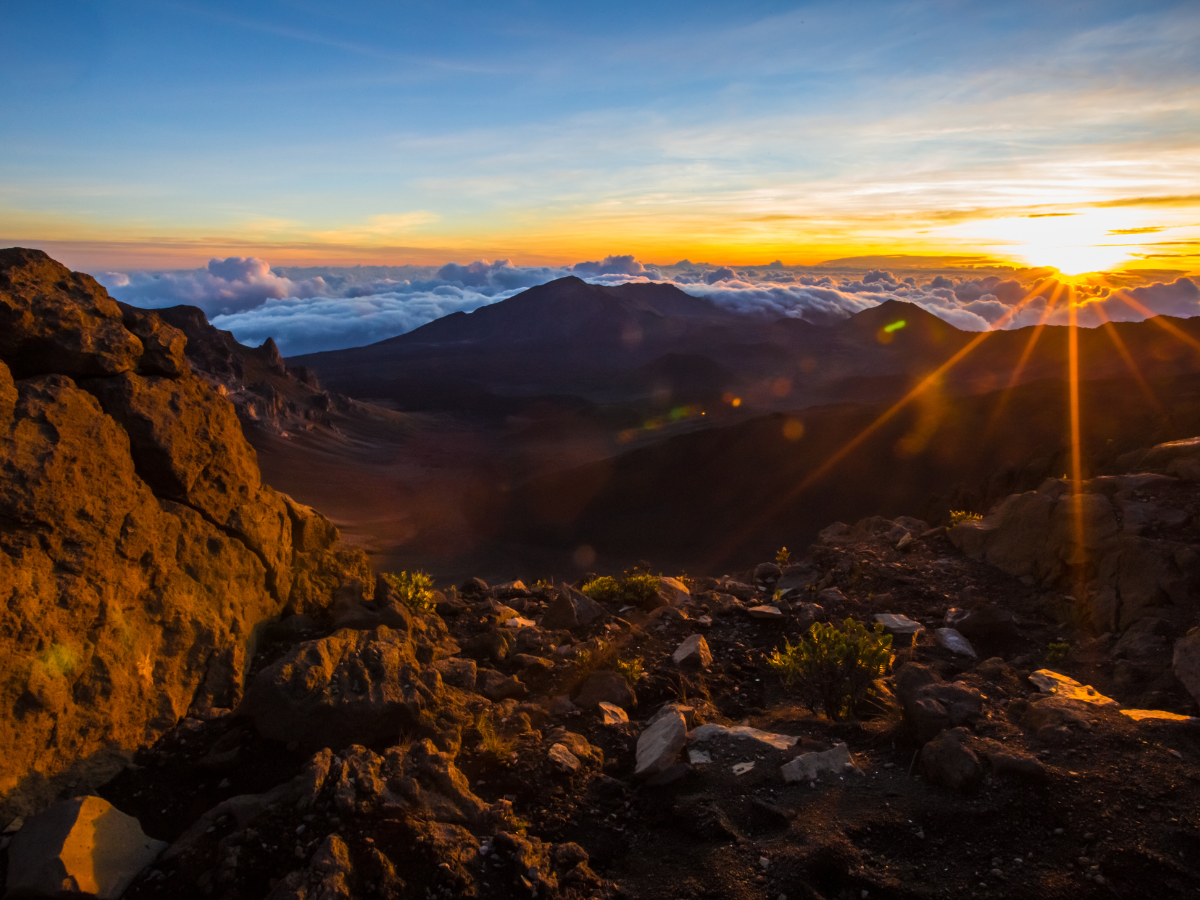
(140,552)
(1130,576)
(82,847)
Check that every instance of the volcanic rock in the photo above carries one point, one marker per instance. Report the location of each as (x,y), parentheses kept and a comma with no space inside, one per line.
(693,652)
(951,640)
(673,591)
(82,847)
(611,714)
(949,760)
(930,705)
(353,687)
(141,551)
(659,745)
(1186,662)
(903,629)
(983,622)
(563,759)
(571,608)
(461,673)
(810,766)
(605,687)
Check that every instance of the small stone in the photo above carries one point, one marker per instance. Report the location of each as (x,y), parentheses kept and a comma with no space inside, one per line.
(693,652)
(611,714)
(764,862)
(953,641)
(742,768)
(563,759)
(904,630)
(807,766)
(764,612)
(659,745)
(605,687)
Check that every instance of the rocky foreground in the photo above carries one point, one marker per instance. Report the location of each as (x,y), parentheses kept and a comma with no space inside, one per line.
(277,724)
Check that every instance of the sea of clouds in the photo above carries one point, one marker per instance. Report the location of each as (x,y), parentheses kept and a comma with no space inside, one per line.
(311,309)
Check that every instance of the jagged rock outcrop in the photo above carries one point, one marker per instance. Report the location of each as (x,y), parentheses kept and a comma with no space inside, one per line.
(266,393)
(1135,557)
(139,549)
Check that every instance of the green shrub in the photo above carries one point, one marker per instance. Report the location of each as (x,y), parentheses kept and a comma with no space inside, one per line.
(632,590)
(834,669)
(604,589)
(961,515)
(631,670)
(415,590)
(640,588)
(783,556)
(1057,651)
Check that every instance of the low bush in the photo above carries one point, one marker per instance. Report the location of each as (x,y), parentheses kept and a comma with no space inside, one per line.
(631,670)
(413,589)
(632,590)
(1057,651)
(962,515)
(833,669)
(783,556)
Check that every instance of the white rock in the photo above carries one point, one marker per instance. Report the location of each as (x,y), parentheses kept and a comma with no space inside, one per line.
(807,766)
(659,745)
(611,714)
(693,652)
(742,768)
(894,623)
(563,759)
(698,757)
(82,847)
(764,612)
(519,622)
(707,732)
(1049,682)
(955,642)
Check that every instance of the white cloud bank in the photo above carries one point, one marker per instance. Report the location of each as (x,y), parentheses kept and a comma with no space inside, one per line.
(306,310)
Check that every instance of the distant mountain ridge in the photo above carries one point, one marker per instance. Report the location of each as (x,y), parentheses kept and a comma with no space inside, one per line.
(570,308)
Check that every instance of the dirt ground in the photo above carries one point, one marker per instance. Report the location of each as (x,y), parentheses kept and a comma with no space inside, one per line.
(1114,814)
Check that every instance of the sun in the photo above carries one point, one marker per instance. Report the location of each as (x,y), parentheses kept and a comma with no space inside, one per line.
(1074,259)
(1074,243)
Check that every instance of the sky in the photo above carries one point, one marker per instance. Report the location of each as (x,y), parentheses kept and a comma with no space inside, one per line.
(147,135)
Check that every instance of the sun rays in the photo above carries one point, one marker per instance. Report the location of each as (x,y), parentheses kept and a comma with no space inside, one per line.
(1060,293)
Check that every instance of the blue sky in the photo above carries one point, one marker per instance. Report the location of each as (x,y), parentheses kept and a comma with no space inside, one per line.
(159,133)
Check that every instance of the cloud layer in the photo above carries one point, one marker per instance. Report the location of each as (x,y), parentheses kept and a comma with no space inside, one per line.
(307,310)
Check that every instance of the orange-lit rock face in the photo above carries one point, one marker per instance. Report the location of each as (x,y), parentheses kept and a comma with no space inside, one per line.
(140,548)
